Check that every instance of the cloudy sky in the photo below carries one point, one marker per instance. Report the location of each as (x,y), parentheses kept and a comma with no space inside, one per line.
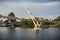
(41,8)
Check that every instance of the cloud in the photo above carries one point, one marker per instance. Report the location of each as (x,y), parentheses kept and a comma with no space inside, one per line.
(38,9)
(23,4)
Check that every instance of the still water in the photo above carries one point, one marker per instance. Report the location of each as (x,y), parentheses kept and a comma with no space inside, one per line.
(28,34)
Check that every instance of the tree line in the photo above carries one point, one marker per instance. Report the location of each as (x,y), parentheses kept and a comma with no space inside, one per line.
(28,23)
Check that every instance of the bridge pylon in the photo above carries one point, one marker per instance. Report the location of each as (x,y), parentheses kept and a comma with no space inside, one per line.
(36,23)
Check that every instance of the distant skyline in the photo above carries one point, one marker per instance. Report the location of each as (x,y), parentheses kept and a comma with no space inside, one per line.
(49,9)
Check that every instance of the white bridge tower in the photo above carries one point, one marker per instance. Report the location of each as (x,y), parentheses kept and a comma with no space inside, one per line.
(36,23)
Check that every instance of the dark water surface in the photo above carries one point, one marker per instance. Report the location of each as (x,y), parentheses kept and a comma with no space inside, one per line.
(28,34)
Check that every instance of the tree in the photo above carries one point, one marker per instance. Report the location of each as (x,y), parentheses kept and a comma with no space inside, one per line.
(26,23)
(0,16)
(11,14)
(11,20)
(57,19)
(37,18)
(57,22)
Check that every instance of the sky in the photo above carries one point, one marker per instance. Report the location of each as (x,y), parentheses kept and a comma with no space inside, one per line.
(48,9)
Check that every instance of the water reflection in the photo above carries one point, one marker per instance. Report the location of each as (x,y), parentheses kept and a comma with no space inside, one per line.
(3,32)
(16,34)
(28,34)
(49,34)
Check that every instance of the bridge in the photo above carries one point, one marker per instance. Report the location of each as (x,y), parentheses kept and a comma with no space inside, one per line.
(36,24)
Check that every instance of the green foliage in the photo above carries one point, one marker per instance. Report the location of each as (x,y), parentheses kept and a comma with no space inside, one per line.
(26,23)
(46,22)
(11,14)
(37,18)
(0,16)
(11,20)
(57,19)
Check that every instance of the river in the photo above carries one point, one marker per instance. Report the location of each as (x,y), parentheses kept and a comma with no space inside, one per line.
(28,34)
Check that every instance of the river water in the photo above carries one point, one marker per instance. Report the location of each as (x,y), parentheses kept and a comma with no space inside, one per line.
(28,34)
